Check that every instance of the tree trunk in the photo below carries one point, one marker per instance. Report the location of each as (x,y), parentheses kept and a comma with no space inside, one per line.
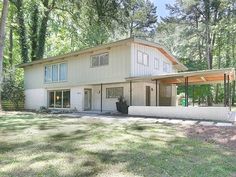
(2,39)
(22,31)
(34,32)
(43,28)
(11,47)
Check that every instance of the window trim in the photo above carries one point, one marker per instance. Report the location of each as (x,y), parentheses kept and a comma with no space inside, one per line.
(99,54)
(166,63)
(58,73)
(54,99)
(156,60)
(143,53)
(114,88)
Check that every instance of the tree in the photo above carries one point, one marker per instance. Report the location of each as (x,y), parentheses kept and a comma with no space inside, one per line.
(2,39)
(140,18)
(22,30)
(201,34)
(48,7)
(34,30)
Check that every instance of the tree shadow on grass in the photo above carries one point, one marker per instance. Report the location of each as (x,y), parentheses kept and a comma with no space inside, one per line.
(10,147)
(52,171)
(18,124)
(180,157)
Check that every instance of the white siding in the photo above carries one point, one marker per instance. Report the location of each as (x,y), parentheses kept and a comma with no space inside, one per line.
(142,70)
(80,72)
(35,98)
(77,98)
(108,103)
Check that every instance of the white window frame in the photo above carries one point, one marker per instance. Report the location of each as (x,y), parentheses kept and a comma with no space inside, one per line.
(58,73)
(142,60)
(99,60)
(114,96)
(156,62)
(166,67)
(54,99)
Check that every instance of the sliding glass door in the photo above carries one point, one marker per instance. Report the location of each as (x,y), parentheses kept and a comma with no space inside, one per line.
(59,99)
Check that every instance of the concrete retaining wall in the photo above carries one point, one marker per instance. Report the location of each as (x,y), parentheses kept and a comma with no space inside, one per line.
(201,113)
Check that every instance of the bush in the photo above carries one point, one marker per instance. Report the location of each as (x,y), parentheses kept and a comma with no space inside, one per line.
(121,105)
(13,91)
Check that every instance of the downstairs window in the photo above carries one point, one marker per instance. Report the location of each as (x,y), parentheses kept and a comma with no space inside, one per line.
(59,99)
(114,92)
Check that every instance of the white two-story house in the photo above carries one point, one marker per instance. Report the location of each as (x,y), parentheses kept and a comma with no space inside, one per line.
(93,78)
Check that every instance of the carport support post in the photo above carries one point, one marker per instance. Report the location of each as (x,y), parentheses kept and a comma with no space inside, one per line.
(186,91)
(130,92)
(229,92)
(101,97)
(156,92)
(225,90)
(193,95)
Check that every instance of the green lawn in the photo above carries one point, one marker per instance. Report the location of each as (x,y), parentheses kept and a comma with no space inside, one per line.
(36,145)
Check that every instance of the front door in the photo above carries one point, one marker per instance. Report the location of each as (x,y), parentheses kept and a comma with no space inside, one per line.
(87,99)
(148,96)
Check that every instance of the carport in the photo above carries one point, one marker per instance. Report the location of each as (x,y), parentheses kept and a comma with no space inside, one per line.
(223,76)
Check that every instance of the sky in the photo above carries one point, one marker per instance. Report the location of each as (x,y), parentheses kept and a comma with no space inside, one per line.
(161,8)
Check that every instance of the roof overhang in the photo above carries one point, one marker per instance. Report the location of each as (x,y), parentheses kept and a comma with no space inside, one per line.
(194,77)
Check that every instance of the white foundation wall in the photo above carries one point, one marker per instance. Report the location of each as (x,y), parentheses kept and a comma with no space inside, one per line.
(201,113)
(35,98)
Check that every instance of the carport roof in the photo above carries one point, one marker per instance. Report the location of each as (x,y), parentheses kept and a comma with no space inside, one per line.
(194,77)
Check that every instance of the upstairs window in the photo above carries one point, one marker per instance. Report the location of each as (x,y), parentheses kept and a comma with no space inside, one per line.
(55,73)
(142,58)
(166,67)
(156,63)
(48,74)
(99,60)
(63,72)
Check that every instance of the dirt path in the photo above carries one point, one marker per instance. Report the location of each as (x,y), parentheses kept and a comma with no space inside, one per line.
(225,136)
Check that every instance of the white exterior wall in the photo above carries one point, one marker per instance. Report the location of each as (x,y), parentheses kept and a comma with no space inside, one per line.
(142,70)
(139,93)
(80,72)
(122,64)
(35,98)
(109,104)
(202,113)
(76,97)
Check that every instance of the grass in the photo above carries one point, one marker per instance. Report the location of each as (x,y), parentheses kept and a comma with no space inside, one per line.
(36,145)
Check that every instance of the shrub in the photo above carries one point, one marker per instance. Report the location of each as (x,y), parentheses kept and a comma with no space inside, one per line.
(13,91)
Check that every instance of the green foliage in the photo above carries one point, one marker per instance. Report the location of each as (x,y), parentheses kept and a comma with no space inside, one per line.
(202,35)
(140,18)
(13,90)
